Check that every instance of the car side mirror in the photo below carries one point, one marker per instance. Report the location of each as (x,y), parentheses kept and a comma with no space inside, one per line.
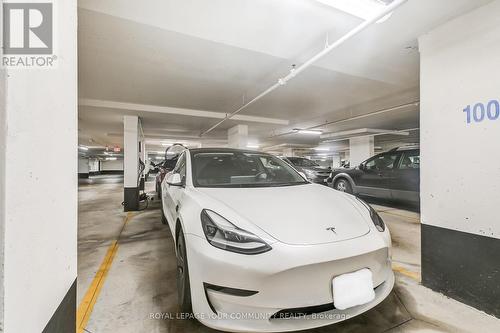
(361,167)
(174,179)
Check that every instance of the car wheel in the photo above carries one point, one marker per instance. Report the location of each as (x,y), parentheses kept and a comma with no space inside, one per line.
(183,286)
(343,185)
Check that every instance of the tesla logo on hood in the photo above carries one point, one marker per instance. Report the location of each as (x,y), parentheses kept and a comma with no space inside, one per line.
(332,229)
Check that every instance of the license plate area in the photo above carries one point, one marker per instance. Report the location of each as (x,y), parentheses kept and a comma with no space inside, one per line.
(353,289)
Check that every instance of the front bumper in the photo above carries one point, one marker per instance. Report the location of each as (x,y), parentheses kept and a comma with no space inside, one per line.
(319,180)
(286,278)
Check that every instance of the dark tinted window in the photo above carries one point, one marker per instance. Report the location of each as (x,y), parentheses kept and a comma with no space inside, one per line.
(382,162)
(241,169)
(410,160)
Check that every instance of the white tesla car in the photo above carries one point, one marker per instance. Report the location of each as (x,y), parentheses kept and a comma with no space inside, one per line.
(259,248)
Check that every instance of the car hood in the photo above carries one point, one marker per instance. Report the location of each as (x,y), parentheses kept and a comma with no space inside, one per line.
(297,215)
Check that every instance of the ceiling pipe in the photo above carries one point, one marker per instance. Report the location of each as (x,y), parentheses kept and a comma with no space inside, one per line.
(334,122)
(376,134)
(295,71)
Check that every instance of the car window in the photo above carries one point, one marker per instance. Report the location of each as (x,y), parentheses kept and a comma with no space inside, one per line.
(381,162)
(180,167)
(241,169)
(410,160)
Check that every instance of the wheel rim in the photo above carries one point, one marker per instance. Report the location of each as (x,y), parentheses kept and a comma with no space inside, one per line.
(181,269)
(341,186)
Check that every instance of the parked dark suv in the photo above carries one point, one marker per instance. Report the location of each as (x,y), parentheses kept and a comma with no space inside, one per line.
(392,175)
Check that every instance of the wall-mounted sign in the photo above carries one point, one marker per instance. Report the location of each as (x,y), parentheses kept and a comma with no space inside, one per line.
(482,111)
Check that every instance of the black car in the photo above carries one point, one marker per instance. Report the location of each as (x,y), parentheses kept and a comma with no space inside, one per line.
(313,171)
(391,175)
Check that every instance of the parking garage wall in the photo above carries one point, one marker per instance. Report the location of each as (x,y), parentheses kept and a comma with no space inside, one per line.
(3,131)
(115,166)
(38,184)
(460,154)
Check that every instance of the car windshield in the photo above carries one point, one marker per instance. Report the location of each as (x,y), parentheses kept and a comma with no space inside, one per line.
(302,162)
(242,169)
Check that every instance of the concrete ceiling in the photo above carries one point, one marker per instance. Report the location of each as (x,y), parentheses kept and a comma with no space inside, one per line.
(208,56)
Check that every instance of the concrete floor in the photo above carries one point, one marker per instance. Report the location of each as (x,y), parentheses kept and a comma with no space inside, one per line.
(141,281)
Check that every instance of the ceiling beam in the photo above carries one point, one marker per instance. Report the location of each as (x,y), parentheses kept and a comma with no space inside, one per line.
(175,111)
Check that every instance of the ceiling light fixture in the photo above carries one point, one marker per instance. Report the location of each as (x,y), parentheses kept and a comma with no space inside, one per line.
(363,9)
(253,146)
(111,158)
(83,148)
(322,149)
(306,131)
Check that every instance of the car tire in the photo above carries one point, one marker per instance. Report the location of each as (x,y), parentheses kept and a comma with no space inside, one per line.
(163,217)
(343,185)
(158,190)
(183,286)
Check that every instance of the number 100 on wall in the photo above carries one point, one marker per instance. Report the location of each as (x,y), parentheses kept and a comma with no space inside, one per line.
(480,111)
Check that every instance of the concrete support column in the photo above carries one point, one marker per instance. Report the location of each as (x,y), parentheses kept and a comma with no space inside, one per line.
(93,166)
(460,221)
(142,155)
(360,149)
(237,136)
(336,161)
(83,167)
(131,142)
(38,182)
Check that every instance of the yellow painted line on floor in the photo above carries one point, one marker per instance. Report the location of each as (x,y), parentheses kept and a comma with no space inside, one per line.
(400,215)
(405,272)
(89,300)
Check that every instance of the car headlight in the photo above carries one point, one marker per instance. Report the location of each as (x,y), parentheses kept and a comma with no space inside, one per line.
(377,220)
(224,235)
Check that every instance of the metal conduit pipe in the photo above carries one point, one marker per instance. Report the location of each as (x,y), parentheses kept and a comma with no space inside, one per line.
(294,72)
(366,115)
(376,134)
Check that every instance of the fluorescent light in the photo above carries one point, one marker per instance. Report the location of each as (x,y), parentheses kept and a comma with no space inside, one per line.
(166,144)
(111,158)
(322,149)
(159,157)
(363,9)
(305,131)
(251,146)
(83,148)
(385,18)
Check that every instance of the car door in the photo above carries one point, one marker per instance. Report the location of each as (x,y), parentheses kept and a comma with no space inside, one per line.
(407,177)
(376,176)
(173,193)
